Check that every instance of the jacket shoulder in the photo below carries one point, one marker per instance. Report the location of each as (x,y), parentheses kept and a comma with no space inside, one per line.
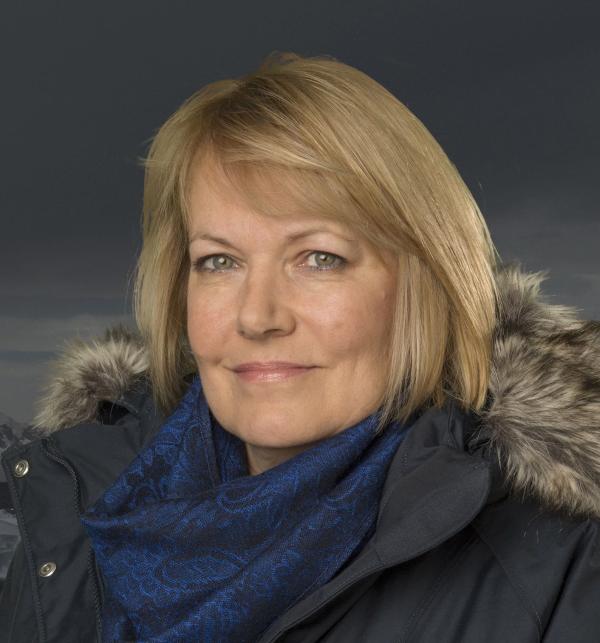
(550,557)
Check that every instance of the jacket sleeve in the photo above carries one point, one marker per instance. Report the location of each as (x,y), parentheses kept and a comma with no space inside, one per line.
(576,614)
(17,616)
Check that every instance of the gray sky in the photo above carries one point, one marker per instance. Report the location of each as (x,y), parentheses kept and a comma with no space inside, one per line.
(510,90)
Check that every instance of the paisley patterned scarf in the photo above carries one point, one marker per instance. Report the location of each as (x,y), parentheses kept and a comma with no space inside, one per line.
(193,548)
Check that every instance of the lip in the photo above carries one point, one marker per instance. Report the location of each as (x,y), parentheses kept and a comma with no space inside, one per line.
(267,366)
(270,371)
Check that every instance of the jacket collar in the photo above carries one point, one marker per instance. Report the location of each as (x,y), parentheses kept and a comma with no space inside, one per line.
(541,426)
(434,486)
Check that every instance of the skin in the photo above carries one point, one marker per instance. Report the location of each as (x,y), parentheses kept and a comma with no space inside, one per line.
(275,299)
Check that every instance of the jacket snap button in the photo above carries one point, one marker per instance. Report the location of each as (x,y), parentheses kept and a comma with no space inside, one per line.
(21,468)
(47,569)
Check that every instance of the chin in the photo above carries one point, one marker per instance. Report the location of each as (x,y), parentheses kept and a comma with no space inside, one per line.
(268,441)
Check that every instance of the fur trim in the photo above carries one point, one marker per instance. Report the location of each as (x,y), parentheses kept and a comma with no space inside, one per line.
(542,423)
(86,374)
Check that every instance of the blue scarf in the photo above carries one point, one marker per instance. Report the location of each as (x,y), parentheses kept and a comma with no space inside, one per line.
(193,548)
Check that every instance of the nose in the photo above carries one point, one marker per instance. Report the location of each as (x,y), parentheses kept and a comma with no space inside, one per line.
(263,306)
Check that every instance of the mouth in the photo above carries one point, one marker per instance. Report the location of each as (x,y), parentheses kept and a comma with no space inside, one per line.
(273,374)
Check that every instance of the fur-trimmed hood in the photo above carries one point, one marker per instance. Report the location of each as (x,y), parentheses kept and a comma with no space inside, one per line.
(542,423)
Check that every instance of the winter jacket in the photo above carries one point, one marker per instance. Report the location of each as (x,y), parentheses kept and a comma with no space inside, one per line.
(487,528)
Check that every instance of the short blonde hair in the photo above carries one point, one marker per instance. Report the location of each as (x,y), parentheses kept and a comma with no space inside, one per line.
(317,136)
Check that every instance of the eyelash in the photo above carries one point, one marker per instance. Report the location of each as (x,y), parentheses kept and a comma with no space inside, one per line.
(197,264)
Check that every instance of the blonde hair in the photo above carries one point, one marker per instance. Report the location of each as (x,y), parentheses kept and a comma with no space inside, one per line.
(314,135)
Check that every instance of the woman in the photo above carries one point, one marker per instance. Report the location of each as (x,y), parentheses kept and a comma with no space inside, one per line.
(342,418)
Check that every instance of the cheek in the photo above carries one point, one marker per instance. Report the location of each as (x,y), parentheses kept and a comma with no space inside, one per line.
(205,325)
(358,323)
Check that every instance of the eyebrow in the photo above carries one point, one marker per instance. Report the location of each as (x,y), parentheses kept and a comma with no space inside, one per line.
(290,237)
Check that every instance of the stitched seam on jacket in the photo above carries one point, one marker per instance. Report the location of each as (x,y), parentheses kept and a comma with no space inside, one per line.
(513,582)
(26,546)
(434,589)
(51,449)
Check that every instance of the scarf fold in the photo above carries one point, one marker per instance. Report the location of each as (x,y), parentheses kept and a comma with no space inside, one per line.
(193,548)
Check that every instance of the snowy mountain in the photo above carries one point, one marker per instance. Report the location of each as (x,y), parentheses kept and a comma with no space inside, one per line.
(12,432)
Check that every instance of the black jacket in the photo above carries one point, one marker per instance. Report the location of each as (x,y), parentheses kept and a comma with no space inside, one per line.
(488,525)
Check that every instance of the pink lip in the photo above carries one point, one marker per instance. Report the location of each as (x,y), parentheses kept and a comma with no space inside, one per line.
(267,366)
(270,372)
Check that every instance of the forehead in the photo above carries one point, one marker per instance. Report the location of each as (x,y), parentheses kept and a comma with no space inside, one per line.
(231,200)
(219,200)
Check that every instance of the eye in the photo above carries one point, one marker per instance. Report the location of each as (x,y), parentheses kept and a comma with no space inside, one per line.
(327,261)
(199,264)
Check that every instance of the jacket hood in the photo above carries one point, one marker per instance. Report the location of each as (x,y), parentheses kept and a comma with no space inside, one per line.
(541,424)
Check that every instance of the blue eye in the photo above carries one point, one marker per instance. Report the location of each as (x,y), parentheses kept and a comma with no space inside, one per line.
(335,262)
(341,262)
(199,263)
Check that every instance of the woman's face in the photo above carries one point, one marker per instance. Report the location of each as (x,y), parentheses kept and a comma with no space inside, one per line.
(322,300)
